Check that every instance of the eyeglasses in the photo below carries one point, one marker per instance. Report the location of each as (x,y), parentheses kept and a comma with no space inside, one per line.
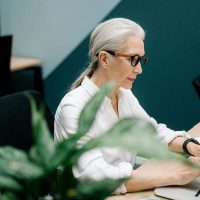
(135,59)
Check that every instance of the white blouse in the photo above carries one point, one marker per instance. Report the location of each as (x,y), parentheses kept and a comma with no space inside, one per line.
(105,162)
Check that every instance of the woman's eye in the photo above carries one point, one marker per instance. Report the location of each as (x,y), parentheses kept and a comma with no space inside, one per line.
(135,58)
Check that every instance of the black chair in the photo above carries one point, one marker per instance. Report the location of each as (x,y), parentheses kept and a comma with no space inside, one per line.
(196,84)
(15,119)
(5,55)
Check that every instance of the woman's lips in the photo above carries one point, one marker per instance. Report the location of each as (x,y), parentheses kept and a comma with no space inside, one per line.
(131,79)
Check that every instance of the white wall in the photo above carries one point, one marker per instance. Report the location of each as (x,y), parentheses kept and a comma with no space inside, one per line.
(50,29)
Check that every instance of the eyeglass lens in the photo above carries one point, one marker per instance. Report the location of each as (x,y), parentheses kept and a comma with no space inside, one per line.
(136,59)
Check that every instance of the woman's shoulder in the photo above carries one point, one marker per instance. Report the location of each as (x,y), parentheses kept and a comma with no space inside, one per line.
(77,97)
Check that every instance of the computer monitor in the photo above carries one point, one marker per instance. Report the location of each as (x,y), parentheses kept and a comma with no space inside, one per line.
(196,84)
(5,56)
(0,22)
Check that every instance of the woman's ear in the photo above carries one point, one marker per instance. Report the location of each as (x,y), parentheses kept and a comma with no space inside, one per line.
(103,59)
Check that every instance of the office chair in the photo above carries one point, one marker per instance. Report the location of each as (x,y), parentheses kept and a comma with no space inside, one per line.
(196,84)
(5,55)
(15,119)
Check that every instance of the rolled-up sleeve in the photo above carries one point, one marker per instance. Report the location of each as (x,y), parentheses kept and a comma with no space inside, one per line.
(92,166)
(164,133)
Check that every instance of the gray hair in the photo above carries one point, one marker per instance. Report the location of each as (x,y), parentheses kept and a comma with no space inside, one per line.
(108,35)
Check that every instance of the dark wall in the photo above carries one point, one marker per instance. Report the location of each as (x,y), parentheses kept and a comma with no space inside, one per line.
(173,45)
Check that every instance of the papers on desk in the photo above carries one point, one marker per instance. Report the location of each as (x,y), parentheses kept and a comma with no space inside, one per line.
(190,191)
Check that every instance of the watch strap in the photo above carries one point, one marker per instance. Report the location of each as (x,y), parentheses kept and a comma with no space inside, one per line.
(185,143)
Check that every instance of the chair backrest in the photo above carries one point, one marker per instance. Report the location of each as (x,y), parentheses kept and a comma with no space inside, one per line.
(196,84)
(15,119)
(5,56)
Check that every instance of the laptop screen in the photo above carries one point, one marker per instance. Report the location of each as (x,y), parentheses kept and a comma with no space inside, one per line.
(190,191)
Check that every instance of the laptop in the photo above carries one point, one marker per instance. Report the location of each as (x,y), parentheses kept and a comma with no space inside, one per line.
(190,191)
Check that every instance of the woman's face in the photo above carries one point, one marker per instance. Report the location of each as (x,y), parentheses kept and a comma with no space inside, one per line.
(120,68)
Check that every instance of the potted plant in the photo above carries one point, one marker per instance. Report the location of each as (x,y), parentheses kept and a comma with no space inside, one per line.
(46,170)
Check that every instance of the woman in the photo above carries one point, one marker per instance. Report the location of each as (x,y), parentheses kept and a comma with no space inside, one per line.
(117,53)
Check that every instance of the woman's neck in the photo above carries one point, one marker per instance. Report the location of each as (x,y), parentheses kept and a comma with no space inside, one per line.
(113,96)
(100,81)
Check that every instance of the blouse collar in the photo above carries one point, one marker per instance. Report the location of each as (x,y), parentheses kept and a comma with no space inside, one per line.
(89,86)
(92,89)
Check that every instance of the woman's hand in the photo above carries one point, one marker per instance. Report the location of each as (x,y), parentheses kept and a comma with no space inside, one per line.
(195,160)
(154,174)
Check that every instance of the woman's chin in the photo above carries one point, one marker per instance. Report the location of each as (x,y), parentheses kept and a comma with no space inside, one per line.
(127,87)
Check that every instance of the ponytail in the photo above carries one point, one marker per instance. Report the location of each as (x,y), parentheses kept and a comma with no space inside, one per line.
(89,71)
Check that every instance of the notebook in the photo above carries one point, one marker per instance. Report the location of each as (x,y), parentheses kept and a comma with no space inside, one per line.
(190,191)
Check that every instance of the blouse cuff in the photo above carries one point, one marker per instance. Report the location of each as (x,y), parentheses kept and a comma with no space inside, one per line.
(177,134)
(125,171)
(120,190)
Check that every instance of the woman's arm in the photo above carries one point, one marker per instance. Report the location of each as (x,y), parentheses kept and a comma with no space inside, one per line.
(92,166)
(154,174)
(177,146)
(174,139)
(194,149)
(164,133)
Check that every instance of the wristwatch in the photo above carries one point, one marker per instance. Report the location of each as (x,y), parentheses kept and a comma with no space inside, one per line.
(185,143)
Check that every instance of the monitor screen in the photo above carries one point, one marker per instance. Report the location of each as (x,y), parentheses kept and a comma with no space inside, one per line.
(196,84)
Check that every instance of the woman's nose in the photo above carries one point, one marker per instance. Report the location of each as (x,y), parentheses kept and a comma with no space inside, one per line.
(138,68)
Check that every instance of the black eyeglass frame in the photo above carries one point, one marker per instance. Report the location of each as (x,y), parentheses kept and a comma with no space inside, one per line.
(141,59)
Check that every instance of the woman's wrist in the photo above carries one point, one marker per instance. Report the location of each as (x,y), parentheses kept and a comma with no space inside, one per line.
(137,182)
(142,181)
(193,149)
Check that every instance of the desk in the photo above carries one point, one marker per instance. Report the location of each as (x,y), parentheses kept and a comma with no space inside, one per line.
(20,65)
(145,195)
(195,130)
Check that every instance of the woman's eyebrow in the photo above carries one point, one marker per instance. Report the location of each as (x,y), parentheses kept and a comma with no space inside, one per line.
(133,53)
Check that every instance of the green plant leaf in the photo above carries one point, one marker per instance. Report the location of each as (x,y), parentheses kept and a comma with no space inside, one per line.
(9,152)
(20,169)
(8,196)
(134,135)
(88,113)
(44,144)
(64,150)
(9,183)
(66,183)
(98,189)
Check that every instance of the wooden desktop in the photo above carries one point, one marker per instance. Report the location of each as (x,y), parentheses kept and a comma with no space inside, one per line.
(144,195)
(20,63)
